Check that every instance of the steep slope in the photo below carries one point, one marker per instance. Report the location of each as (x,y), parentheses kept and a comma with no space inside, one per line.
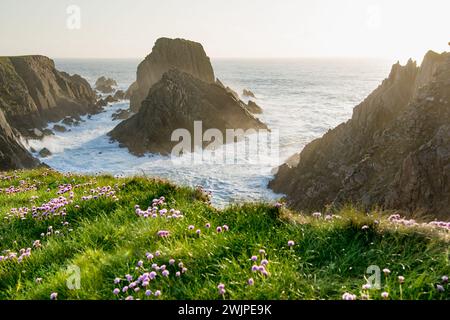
(12,154)
(176,101)
(394,151)
(184,55)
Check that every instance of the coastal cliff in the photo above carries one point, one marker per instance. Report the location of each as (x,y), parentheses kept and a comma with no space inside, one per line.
(394,152)
(13,155)
(33,92)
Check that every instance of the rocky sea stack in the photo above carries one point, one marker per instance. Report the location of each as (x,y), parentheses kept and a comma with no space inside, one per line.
(394,152)
(184,55)
(33,92)
(176,101)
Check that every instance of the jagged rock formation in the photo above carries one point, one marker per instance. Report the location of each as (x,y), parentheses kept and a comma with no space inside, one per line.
(176,101)
(394,152)
(105,85)
(33,92)
(167,54)
(13,154)
(119,95)
(248,93)
(253,107)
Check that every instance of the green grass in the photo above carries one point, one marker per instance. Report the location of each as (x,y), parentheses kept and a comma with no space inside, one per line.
(107,239)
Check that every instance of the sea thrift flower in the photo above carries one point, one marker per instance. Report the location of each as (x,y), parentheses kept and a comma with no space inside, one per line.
(225,227)
(208,225)
(116,291)
(254,258)
(219,229)
(255,268)
(221,288)
(54,296)
(129,298)
(149,256)
(348,296)
(262,251)
(172,262)
(385,295)
(440,288)
(444,279)
(250,282)
(401,279)
(125,289)
(317,214)
(152,275)
(198,231)
(290,243)
(157,293)
(366,286)
(165,273)
(140,263)
(148,293)
(117,280)
(264,262)
(386,271)
(178,274)
(191,227)
(158,253)
(184,270)
(364,227)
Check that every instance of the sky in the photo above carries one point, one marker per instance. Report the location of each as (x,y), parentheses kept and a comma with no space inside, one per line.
(393,29)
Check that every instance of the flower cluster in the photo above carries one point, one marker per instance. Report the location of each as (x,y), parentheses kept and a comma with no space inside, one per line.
(101,192)
(147,272)
(398,220)
(262,267)
(20,256)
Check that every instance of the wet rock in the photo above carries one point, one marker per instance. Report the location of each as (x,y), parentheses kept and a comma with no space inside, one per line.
(44,153)
(105,85)
(59,128)
(253,107)
(248,93)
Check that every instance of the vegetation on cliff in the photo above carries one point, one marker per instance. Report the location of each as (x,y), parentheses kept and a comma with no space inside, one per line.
(136,237)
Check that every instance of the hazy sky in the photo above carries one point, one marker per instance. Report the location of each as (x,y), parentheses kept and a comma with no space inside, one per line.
(394,29)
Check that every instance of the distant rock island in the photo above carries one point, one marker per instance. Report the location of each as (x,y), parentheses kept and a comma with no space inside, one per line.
(184,55)
(176,101)
(394,152)
(105,85)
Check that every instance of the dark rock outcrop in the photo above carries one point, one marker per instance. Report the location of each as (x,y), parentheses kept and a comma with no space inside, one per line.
(119,95)
(253,107)
(105,85)
(394,152)
(33,92)
(44,153)
(13,154)
(176,101)
(167,54)
(121,114)
(248,93)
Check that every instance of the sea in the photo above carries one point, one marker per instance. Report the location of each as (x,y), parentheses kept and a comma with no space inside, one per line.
(301,98)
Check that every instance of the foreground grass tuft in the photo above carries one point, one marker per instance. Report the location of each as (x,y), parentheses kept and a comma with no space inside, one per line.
(65,236)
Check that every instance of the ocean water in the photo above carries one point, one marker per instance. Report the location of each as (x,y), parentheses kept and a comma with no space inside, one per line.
(301,98)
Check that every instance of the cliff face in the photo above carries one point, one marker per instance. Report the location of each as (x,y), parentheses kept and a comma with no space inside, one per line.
(12,154)
(184,55)
(33,92)
(394,151)
(176,101)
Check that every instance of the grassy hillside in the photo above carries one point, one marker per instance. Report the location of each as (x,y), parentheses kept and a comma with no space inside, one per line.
(100,226)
